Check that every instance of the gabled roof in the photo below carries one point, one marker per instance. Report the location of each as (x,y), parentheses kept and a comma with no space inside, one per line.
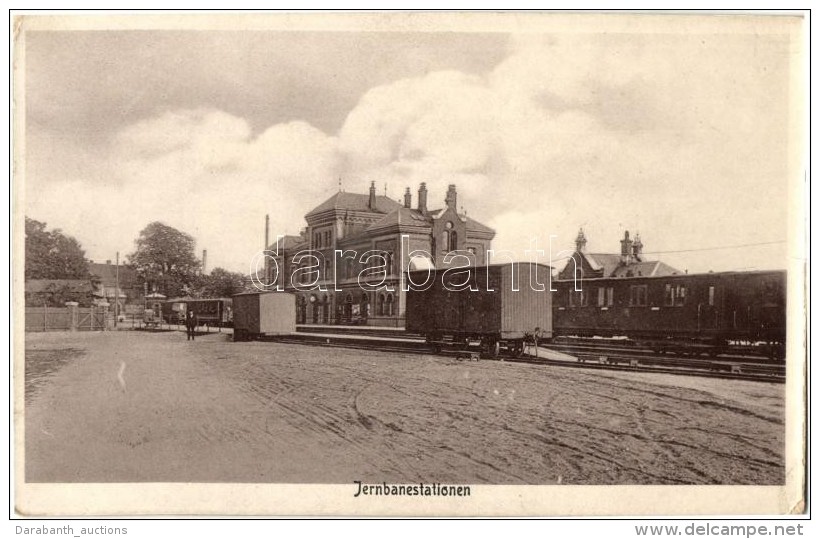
(400,217)
(607,262)
(107,273)
(286,243)
(474,226)
(355,202)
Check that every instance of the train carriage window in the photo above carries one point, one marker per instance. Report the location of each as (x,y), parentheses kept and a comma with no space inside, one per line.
(637,295)
(711,296)
(578,299)
(669,296)
(680,295)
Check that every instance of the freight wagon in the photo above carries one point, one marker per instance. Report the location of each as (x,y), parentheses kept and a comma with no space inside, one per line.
(499,308)
(688,313)
(260,314)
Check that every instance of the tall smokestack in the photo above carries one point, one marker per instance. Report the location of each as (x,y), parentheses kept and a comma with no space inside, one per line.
(267,231)
(408,198)
(423,198)
(372,202)
(204,261)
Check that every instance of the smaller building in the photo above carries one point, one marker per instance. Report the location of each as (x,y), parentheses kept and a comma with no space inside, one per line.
(629,263)
(106,277)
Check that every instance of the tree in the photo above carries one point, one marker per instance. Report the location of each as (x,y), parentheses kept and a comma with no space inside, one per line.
(53,255)
(165,260)
(221,283)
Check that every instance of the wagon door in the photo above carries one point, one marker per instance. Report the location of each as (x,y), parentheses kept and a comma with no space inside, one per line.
(708,316)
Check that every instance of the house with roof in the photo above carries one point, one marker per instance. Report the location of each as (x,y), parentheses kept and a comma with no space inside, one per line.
(629,263)
(353,240)
(107,275)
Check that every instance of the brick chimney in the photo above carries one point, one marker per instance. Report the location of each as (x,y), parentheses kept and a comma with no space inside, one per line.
(423,198)
(626,249)
(452,197)
(637,248)
(372,202)
(408,198)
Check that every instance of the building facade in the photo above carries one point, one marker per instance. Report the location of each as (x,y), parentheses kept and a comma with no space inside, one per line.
(629,263)
(349,264)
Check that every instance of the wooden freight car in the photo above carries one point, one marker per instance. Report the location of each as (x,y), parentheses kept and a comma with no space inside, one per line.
(495,306)
(705,311)
(260,314)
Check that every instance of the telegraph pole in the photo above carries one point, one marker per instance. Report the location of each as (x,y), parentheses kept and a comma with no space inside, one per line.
(117,291)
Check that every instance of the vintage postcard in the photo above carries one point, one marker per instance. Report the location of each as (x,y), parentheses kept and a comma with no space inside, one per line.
(405,263)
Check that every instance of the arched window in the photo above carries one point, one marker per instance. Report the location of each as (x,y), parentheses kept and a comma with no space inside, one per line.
(445,241)
(391,270)
(364,306)
(301,314)
(389,304)
(314,309)
(381,305)
(453,240)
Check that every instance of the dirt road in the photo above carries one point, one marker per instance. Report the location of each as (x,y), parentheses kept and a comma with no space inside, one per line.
(150,407)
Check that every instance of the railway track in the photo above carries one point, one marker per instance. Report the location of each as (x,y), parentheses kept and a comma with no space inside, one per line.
(704,368)
(734,354)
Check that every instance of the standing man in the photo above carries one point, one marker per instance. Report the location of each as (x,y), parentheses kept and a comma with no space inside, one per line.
(191,321)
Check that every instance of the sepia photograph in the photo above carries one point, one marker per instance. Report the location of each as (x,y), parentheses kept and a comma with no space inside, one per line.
(410,263)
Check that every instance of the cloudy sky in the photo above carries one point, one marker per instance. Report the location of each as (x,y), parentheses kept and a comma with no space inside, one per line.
(685,136)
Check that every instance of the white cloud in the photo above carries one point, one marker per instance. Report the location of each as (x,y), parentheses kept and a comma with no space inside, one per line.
(678,137)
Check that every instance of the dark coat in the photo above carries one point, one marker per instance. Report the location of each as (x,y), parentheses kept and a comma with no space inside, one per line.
(192,320)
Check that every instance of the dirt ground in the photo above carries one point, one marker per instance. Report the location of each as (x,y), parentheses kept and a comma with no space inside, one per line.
(151,407)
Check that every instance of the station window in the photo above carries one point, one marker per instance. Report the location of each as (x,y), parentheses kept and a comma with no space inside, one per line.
(610,296)
(601,297)
(711,295)
(637,295)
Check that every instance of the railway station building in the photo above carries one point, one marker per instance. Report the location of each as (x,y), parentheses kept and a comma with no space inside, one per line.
(629,263)
(356,224)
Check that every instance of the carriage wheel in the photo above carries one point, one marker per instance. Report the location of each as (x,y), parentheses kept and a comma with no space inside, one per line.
(490,347)
(518,349)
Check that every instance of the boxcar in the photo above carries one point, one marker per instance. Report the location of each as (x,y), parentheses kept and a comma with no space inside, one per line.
(260,314)
(500,309)
(706,309)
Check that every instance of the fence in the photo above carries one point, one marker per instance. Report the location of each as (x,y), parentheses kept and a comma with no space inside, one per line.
(71,318)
